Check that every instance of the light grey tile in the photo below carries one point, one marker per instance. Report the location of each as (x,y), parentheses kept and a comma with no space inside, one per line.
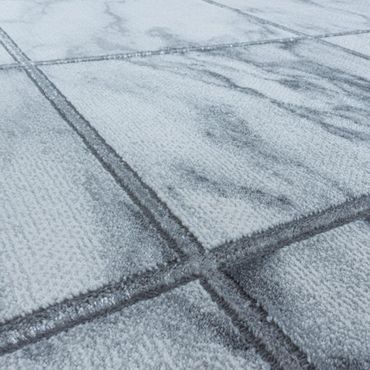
(72,28)
(312,17)
(65,225)
(359,43)
(182,329)
(238,140)
(318,291)
(5,56)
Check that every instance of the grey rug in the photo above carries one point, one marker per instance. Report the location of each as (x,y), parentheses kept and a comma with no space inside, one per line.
(184,184)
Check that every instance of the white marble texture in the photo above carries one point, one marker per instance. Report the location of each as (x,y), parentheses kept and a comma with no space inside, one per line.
(57,29)
(238,140)
(65,226)
(318,292)
(359,43)
(182,329)
(312,17)
(5,56)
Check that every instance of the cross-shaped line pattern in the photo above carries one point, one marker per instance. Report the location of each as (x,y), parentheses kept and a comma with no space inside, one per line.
(190,257)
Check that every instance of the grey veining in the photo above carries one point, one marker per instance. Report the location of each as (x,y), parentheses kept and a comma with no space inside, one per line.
(58,29)
(180,330)
(65,225)
(318,292)
(218,143)
(238,140)
(311,17)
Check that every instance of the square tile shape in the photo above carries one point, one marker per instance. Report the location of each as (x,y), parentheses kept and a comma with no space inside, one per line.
(310,17)
(74,28)
(66,226)
(237,140)
(318,292)
(182,329)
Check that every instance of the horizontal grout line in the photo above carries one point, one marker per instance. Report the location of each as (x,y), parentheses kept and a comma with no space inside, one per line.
(344,33)
(21,331)
(44,323)
(184,50)
(37,326)
(298,33)
(251,320)
(349,51)
(276,342)
(167,224)
(10,66)
(31,328)
(274,238)
(108,288)
(165,51)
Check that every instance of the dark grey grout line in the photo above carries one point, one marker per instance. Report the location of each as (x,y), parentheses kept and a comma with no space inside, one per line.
(166,51)
(202,48)
(255,18)
(286,351)
(33,327)
(10,66)
(167,224)
(276,237)
(342,33)
(252,322)
(322,41)
(184,50)
(262,242)
(318,39)
(349,51)
(101,292)
(45,323)
(242,326)
(275,341)
(149,53)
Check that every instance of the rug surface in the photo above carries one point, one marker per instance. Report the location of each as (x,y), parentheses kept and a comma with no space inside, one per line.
(184,184)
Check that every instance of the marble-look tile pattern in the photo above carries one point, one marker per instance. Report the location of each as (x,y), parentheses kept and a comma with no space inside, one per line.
(182,329)
(318,292)
(65,225)
(238,140)
(57,29)
(5,56)
(312,16)
(359,43)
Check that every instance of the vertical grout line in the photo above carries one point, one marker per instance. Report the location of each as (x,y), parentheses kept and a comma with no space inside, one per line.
(167,224)
(255,18)
(242,326)
(189,49)
(170,227)
(317,39)
(251,319)
(43,323)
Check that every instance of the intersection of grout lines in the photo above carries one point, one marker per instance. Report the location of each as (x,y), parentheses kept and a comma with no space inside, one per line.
(67,227)
(69,169)
(202,158)
(62,89)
